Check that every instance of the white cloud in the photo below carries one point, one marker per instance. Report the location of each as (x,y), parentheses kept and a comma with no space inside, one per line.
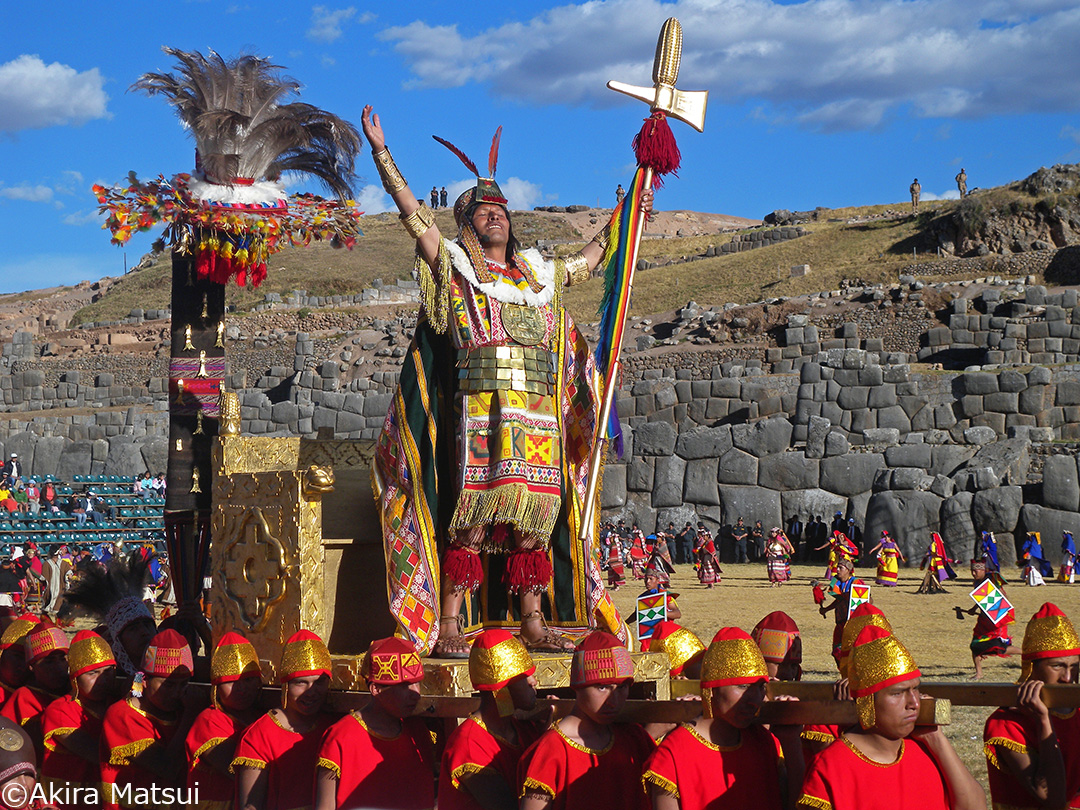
(34,95)
(951,194)
(27,193)
(79,218)
(816,62)
(373,199)
(326,23)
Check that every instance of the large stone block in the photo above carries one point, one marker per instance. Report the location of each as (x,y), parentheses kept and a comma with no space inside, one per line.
(613,494)
(699,487)
(655,439)
(894,417)
(909,516)
(764,437)
(751,504)
(1009,459)
(639,474)
(704,442)
(979,383)
(997,510)
(75,459)
(24,443)
(909,455)
(787,471)
(155,453)
(1061,486)
(810,503)
(850,474)
(125,457)
(668,481)
(47,455)
(737,467)
(957,526)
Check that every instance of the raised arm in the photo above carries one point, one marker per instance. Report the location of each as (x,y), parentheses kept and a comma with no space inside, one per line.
(418,219)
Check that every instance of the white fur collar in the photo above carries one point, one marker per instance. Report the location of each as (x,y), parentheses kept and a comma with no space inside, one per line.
(504,291)
(260,193)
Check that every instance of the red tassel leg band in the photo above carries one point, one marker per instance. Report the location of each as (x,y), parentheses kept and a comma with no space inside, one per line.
(462,568)
(528,571)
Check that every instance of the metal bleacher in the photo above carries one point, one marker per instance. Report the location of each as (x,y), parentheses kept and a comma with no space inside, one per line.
(137,519)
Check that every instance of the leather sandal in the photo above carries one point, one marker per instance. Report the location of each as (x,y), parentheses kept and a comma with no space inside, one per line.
(550,641)
(451,646)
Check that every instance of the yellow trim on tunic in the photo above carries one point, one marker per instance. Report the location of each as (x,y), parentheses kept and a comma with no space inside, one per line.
(817,736)
(806,800)
(874,762)
(1004,742)
(331,766)
(665,785)
(61,732)
(213,742)
(122,755)
(585,749)
(536,785)
(246,762)
(470,768)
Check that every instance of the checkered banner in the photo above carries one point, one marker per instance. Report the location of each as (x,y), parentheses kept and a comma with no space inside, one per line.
(860,595)
(651,610)
(991,601)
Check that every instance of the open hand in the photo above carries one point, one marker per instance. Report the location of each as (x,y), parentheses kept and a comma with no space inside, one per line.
(373,130)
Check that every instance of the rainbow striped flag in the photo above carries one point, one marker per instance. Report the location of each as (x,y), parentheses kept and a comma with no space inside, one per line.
(615,306)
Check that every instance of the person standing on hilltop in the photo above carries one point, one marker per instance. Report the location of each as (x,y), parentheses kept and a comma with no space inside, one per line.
(620,192)
(961,183)
(916,192)
(442,197)
(484,452)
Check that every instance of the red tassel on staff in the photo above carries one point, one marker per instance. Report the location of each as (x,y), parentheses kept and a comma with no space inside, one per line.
(655,147)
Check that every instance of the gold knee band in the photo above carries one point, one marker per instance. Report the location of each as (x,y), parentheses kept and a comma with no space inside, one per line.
(577,268)
(388,171)
(418,222)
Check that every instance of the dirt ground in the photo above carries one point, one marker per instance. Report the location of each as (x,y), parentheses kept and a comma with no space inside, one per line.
(926,624)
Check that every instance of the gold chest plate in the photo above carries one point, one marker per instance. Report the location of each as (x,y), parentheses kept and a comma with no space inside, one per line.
(524,324)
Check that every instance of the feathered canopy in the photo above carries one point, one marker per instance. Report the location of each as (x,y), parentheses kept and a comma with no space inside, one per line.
(98,588)
(244,131)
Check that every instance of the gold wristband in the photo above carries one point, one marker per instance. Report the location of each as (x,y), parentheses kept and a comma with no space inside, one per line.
(603,236)
(418,221)
(577,268)
(388,171)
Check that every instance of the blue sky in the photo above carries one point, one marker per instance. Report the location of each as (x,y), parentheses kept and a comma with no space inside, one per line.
(820,102)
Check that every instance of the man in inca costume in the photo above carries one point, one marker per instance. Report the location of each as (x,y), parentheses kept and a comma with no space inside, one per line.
(486,444)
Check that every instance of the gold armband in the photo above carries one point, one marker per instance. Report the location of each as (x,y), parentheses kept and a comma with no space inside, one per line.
(418,221)
(577,268)
(388,171)
(603,237)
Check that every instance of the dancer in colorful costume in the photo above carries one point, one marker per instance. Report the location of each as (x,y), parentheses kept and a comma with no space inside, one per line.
(658,573)
(938,566)
(840,607)
(881,765)
(840,548)
(616,564)
(987,637)
(889,557)
(1036,567)
(479,765)
(721,760)
(990,558)
(637,554)
(142,738)
(684,649)
(72,724)
(235,683)
(380,756)
(778,553)
(708,563)
(276,757)
(1067,572)
(1032,752)
(586,759)
(486,444)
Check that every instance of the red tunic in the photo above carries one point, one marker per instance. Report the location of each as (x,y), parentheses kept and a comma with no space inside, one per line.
(578,777)
(704,775)
(380,772)
(125,733)
(59,765)
(287,757)
(471,748)
(818,733)
(27,703)
(841,777)
(211,728)
(1012,729)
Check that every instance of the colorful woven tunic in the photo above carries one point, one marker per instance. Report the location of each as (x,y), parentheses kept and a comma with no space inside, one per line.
(706,776)
(472,749)
(1016,731)
(888,563)
(842,778)
(492,425)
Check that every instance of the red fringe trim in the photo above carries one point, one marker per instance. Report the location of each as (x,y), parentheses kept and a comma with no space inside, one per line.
(528,571)
(219,269)
(655,147)
(462,567)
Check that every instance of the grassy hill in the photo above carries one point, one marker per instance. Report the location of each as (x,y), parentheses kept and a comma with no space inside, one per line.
(837,247)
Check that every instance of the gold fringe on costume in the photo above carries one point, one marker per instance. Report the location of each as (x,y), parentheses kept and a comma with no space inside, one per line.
(213,742)
(536,785)
(665,785)
(468,768)
(530,513)
(331,766)
(813,801)
(246,762)
(435,292)
(123,754)
(1004,742)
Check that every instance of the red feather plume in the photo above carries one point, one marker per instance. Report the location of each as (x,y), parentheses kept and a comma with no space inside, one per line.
(461,155)
(493,155)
